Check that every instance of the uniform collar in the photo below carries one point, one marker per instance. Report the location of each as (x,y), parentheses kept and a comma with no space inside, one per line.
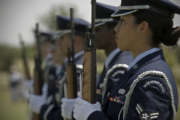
(59,69)
(142,56)
(111,56)
(77,56)
(48,58)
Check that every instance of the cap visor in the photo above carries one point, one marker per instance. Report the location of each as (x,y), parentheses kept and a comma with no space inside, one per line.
(125,10)
(119,13)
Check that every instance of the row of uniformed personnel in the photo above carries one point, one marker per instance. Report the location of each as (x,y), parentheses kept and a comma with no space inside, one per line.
(137,85)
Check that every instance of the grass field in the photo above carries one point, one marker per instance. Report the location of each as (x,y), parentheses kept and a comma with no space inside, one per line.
(10,110)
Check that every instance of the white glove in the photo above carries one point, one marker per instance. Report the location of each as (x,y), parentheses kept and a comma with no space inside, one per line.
(67,107)
(28,84)
(35,102)
(27,88)
(45,90)
(82,109)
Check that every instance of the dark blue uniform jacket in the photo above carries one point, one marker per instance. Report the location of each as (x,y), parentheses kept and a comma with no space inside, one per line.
(115,57)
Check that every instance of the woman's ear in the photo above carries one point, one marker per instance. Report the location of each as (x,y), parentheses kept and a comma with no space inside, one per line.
(143,26)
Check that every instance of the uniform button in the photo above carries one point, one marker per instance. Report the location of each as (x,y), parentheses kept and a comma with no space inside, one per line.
(122,91)
(101,85)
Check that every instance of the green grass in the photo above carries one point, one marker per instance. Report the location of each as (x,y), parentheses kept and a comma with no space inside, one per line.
(10,110)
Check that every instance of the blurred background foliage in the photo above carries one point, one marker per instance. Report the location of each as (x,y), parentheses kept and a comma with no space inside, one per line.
(10,55)
(48,19)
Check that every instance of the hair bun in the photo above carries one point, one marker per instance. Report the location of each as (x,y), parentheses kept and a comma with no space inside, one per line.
(174,35)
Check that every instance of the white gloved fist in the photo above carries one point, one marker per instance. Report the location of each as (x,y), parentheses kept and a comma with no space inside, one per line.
(27,88)
(45,90)
(35,102)
(28,84)
(67,107)
(82,109)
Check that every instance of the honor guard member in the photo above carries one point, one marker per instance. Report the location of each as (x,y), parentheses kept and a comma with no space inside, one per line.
(105,40)
(46,39)
(81,27)
(15,79)
(50,87)
(51,110)
(147,91)
(47,50)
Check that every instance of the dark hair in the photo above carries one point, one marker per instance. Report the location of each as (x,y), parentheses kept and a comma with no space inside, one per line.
(161,27)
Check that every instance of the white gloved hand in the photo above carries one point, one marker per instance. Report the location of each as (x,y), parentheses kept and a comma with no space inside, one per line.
(28,84)
(45,90)
(82,109)
(67,107)
(27,88)
(35,102)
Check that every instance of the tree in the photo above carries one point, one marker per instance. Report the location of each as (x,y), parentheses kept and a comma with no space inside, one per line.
(49,19)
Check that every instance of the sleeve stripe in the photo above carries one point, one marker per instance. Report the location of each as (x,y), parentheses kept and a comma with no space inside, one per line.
(154,114)
(154,117)
(139,107)
(138,110)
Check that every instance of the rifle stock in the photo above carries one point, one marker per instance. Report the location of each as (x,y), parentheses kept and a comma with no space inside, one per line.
(38,83)
(71,83)
(89,76)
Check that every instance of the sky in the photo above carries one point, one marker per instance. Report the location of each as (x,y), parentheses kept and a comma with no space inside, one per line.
(20,16)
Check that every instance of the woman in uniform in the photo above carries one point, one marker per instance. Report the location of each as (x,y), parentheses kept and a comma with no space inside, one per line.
(147,90)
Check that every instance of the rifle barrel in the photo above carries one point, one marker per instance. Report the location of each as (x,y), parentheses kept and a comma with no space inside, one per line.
(24,59)
(71,67)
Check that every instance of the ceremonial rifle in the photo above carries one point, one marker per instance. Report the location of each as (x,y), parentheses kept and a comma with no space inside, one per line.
(24,59)
(71,66)
(89,76)
(38,72)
